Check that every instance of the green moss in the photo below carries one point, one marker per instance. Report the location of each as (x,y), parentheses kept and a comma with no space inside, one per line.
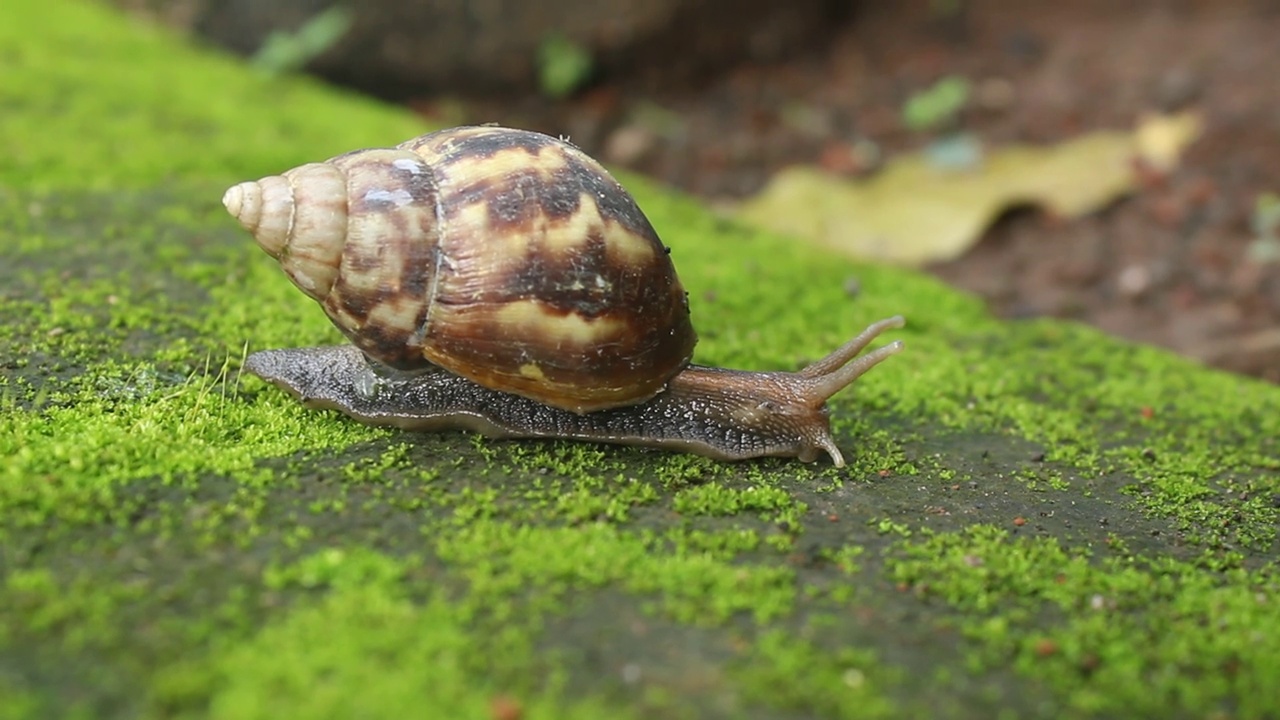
(65,463)
(97,100)
(712,498)
(795,675)
(723,545)
(689,586)
(1111,635)
(411,652)
(20,704)
(81,613)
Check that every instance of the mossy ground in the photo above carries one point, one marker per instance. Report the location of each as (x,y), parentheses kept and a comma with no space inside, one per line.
(1037,521)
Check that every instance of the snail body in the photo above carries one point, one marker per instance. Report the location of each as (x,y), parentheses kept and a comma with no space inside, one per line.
(502,281)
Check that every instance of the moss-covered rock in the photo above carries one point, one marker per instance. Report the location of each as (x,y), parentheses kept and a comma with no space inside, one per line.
(1036,521)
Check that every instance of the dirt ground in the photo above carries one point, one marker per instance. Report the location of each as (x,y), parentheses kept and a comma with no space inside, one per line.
(1169,266)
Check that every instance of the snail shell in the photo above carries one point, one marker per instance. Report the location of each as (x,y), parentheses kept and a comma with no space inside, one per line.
(507,257)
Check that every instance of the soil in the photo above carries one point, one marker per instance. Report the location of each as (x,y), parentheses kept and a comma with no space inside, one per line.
(1171,265)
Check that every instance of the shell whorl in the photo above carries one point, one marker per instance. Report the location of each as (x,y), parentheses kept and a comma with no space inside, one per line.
(300,219)
(356,233)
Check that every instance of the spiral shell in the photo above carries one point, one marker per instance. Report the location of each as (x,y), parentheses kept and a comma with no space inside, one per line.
(505,256)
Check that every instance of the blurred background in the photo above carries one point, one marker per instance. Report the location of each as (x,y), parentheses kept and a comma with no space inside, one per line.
(1113,163)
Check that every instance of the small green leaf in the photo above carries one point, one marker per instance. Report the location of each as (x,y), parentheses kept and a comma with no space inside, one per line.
(1266,215)
(563,66)
(284,52)
(937,104)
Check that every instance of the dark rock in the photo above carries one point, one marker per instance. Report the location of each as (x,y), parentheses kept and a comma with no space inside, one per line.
(476,47)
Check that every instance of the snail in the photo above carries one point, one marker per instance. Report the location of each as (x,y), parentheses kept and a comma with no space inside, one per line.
(502,281)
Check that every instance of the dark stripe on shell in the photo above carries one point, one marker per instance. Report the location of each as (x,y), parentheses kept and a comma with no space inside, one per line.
(465,144)
(585,282)
(615,203)
(512,201)
(389,346)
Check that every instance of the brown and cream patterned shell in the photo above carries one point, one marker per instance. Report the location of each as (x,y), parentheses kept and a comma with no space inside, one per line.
(506,256)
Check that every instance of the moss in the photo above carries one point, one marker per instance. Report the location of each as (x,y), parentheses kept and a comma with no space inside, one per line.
(123,423)
(1110,635)
(712,498)
(106,102)
(795,675)
(80,613)
(20,704)
(414,653)
(691,587)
